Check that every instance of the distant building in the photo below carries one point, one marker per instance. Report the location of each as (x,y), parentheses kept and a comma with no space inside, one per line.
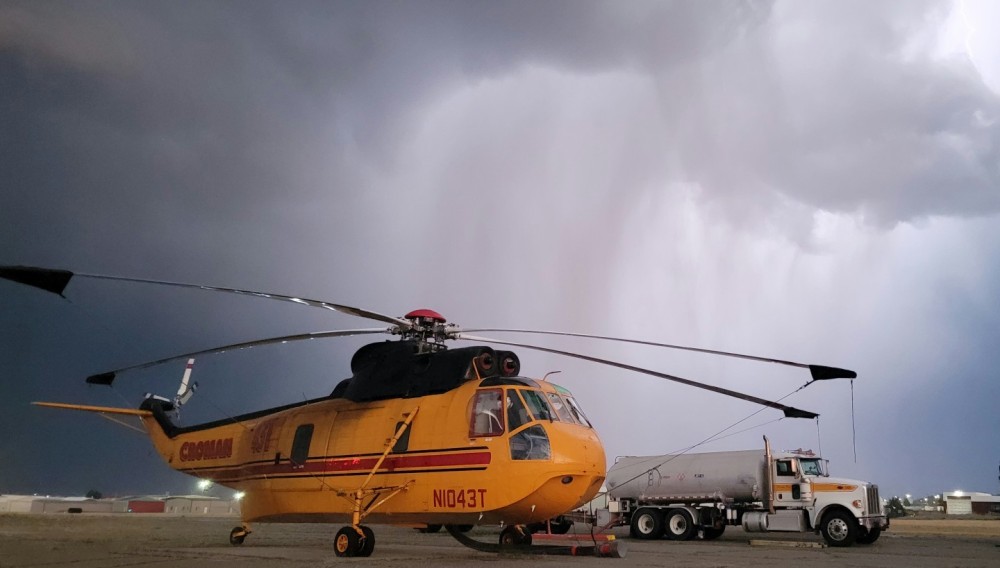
(139,504)
(70,505)
(970,503)
(200,505)
(16,503)
(179,505)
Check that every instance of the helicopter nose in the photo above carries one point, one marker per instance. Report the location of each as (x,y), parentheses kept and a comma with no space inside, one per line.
(581,481)
(570,480)
(589,483)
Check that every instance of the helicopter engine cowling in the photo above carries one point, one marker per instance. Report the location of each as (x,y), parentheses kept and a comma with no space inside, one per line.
(397,369)
(508,364)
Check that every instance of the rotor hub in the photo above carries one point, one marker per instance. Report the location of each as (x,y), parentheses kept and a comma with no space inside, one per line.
(425,316)
(429,328)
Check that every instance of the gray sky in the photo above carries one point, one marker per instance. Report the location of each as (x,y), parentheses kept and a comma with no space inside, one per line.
(816,181)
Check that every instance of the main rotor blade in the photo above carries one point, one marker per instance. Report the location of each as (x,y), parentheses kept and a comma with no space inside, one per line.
(788,410)
(819,372)
(55,281)
(109,377)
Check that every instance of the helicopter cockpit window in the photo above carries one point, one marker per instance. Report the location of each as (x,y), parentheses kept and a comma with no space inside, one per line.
(560,407)
(577,412)
(532,443)
(517,414)
(487,414)
(537,405)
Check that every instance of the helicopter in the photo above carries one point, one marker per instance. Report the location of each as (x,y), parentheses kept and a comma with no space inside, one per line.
(420,434)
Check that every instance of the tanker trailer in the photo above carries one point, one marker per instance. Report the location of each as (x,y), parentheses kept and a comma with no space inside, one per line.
(682,495)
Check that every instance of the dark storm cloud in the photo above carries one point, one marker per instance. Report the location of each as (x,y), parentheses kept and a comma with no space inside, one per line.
(755,99)
(136,121)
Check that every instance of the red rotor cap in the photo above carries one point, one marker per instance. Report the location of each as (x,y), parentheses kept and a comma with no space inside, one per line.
(426,314)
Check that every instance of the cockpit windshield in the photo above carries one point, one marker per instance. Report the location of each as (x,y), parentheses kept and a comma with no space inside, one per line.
(537,405)
(577,412)
(495,411)
(561,408)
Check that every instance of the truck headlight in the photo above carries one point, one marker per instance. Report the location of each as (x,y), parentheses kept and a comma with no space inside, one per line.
(857,504)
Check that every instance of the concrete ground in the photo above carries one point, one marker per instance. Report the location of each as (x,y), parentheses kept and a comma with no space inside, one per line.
(92,541)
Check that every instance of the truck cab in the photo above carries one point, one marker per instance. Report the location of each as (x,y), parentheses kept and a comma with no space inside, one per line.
(844,510)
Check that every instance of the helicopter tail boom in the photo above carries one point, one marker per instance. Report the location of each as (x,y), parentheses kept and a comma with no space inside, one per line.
(98,409)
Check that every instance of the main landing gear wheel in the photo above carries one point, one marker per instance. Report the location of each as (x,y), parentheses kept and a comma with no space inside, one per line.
(679,525)
(515,536)
(238,535)
(349,543)
(367,542)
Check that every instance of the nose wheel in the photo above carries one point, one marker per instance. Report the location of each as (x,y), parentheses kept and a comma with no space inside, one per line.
(354,542)
(238,535)
(515,535)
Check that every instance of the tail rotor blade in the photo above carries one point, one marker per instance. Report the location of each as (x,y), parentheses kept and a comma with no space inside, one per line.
(789,411)
(109,377)
(55,281)
(819,372)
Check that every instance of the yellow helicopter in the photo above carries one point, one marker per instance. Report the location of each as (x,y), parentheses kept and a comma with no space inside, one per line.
(420,434)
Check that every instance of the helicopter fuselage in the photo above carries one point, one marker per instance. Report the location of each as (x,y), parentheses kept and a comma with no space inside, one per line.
(497,450)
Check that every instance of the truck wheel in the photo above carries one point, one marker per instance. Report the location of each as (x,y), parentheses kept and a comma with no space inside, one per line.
(839,528)
(680,526)
(712,533)
(870,536)
(647,524)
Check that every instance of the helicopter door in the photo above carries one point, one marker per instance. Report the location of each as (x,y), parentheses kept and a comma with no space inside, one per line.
(300,445)
(517,414)
(304,447)
(531,442)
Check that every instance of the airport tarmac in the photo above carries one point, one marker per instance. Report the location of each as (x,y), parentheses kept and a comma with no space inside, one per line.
(92,541)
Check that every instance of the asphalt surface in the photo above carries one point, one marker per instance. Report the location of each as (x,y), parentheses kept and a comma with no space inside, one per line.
(92,541)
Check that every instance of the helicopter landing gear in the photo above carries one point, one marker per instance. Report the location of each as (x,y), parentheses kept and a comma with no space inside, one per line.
(515,535)
(354,542)
(357,539)
(238,535)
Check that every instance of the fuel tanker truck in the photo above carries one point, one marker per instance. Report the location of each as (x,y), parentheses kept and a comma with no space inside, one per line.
(684,495)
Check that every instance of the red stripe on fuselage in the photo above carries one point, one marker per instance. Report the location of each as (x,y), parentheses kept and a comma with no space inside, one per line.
(348,465)
(402,462)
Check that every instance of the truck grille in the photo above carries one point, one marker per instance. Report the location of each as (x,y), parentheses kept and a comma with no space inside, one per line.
(874,505)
